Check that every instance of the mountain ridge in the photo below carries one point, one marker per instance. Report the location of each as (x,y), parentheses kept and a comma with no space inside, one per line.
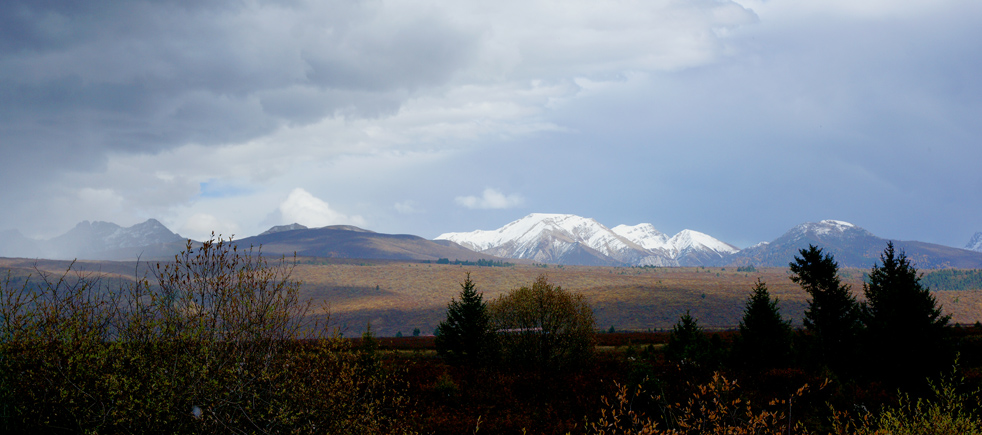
(553,238)
(537,237)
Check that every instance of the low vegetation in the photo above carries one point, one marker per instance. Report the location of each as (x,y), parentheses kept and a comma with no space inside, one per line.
(222,341)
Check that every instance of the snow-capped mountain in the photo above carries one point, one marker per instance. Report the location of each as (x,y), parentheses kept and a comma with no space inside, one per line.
(693,248)
(571,239)
(975,244)
(848,243)
(851,246)
(687,248)
(645,235)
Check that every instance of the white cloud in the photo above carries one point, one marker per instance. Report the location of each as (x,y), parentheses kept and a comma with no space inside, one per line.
(306,209)
(200,226)
(407,207)
(491,199)
(101,199)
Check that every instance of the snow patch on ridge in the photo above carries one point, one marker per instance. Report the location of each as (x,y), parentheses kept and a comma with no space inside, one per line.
(645,235)
(975,244)
(688,240)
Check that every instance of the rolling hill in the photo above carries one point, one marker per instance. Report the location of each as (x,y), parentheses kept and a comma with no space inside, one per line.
(344,241)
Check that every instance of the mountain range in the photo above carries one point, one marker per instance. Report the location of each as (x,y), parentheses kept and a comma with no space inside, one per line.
(538,237)
(570,239)
(97,241)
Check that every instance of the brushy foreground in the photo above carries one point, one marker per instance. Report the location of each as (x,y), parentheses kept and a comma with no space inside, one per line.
(215,342)
(219,341)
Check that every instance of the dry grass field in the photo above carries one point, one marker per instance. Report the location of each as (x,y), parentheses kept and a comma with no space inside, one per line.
(398,296)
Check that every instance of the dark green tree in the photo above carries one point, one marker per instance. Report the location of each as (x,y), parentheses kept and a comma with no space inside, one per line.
(468,335)
(906,338)
(765,337)
(687,343)
(833,316)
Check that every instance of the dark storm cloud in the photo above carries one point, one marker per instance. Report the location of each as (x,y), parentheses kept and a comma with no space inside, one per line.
(146,76)
(735,119)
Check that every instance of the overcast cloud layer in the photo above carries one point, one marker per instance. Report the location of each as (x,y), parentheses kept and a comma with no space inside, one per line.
(738,119)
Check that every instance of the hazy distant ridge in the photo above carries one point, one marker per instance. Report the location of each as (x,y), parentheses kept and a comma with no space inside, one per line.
(538,237)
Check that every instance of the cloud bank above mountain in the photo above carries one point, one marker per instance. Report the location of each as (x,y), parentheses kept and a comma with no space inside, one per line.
(733,117)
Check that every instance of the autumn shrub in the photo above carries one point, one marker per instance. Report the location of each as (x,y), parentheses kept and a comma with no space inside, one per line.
(544,326)
(713,407)
(212,342)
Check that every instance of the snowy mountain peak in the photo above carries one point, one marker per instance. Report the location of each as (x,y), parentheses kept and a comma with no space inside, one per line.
(975,244)
(832,223)
(523,238)
(577,240)
(688,240)
(828,227)
(645,235)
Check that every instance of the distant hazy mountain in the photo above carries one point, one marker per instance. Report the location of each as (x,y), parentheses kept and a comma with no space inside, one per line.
(851,246)
(15,244)
(975,244)
(108,241)
(343,241)
(571,239)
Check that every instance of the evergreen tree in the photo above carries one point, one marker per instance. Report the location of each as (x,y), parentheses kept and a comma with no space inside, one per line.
(687,343)
(765,337)
(905,330)
(467,336)
(833,316)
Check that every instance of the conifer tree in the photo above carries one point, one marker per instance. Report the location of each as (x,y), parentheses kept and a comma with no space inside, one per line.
(765,337)
(687,343)
(833,316)
(905,330)
(467,336)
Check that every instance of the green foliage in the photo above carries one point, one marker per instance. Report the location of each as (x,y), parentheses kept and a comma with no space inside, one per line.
(899,311)
(833,316)
(687,343)
(749,268)
(953,279)
(765,338)
(207,343)
(467,336)
(544,326)
(949,412)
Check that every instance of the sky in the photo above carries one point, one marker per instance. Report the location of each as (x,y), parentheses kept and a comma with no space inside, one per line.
(739,119)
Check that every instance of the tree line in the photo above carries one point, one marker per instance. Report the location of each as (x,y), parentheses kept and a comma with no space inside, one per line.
(898,335)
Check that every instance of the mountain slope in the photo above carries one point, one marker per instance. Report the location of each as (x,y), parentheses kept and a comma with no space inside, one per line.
(851,246)
(343,241)
(975,244)
(108,241)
